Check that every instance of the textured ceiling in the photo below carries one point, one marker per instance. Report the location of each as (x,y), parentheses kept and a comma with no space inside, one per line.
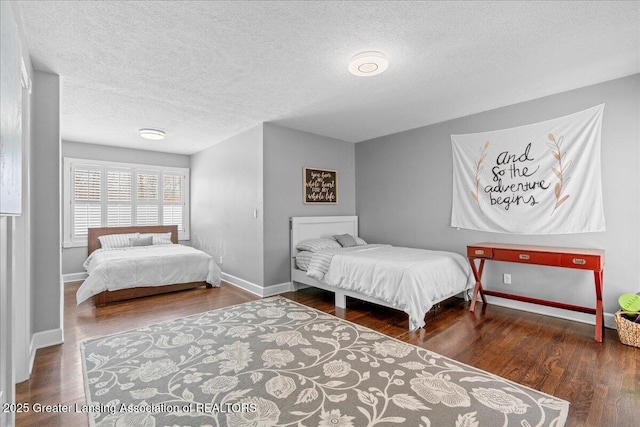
(205,71)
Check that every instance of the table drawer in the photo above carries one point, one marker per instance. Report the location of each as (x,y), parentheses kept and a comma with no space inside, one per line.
(479,252)
(585,262)
(527,257)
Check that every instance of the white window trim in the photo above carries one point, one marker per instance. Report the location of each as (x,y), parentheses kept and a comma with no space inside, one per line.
(67,229)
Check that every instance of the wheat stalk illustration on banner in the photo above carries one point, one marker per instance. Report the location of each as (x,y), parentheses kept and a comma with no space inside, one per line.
(560,171)
(479,168)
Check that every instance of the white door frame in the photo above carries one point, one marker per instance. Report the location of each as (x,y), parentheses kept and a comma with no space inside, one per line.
(21,267)
(7,394)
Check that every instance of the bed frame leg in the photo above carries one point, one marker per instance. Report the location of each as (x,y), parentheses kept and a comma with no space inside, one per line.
(466,295)
(99,300)
(341,300)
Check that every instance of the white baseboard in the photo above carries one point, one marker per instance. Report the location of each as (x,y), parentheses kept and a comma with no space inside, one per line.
(74,277)
(277,289)
(242,284)
(609,320)
(32,354)
(257,289)
(47,339)
(41,340)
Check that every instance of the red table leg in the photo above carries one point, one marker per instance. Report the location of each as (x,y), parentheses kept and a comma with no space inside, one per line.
(598,275)
(477,274)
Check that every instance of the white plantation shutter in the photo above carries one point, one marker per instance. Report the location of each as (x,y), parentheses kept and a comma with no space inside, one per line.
(172,200)
(86,216)
(87,199)
(172,215)
(119,197)
(108,194)
(119,215)
(147,215)
(147,196)
(119,185)
(87,184)
(172,188)
(147,186)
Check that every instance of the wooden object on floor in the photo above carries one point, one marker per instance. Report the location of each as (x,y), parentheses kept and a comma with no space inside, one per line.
(553,256)
(103,298)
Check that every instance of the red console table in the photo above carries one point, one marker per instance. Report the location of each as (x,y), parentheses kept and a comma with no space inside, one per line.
(583,259)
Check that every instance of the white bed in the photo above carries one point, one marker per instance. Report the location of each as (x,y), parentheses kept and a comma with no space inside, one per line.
(411,280)
(121,273)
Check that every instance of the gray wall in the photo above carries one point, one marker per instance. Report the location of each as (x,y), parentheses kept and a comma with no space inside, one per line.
(47,193)
(226,189)
(286,152)
(404,185)
(72,258)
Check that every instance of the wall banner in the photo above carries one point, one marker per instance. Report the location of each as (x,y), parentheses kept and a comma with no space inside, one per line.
(542,178)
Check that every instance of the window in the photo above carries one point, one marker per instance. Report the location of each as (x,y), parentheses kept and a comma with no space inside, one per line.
(106,194)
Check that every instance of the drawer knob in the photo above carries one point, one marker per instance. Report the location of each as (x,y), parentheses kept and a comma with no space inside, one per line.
(523,256)
(579,261)
(479,252)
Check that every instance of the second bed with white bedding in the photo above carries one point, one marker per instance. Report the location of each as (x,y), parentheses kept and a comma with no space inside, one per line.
(411,280)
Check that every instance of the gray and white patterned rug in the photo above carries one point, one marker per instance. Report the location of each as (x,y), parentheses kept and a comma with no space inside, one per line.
(274,362)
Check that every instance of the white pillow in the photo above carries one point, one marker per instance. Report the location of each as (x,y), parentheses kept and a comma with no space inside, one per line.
(303,259)
(314,245)
(359,241)
(114,241)
(159,238)
(349,240)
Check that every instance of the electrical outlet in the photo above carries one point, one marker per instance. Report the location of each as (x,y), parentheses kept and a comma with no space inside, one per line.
(220,259)
(506,278)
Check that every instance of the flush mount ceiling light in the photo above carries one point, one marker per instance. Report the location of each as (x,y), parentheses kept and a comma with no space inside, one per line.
(153,134)
(368,63)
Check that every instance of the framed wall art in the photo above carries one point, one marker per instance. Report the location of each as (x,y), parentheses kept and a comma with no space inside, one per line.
(319,186)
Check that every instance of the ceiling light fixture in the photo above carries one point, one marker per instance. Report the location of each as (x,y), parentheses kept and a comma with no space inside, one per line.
(368,63)
(153,134)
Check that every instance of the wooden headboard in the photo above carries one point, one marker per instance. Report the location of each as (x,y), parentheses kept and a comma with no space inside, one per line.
(94,233)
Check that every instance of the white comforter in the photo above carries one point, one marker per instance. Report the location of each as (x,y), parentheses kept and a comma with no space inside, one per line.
(113,269)
(406,278)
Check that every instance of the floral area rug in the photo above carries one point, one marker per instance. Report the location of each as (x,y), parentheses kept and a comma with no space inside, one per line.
(274,362)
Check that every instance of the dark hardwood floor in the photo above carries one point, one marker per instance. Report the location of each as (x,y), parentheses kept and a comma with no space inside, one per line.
(559,357)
